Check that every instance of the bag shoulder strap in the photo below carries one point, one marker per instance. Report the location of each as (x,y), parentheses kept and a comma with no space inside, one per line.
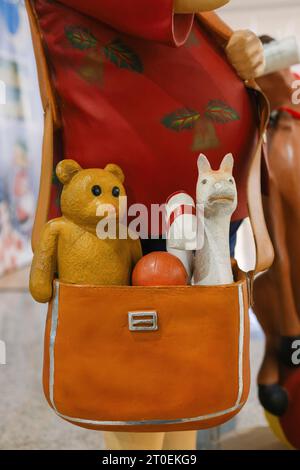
(264,248)
(215,25)
(263,244)
(51,121)
(48,97)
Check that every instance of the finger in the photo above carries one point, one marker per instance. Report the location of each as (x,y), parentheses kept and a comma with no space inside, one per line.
(246,57)
(250,71)
(241,33)
(252,47)
(260,69)
(247,64)
(241,37)
(244,62)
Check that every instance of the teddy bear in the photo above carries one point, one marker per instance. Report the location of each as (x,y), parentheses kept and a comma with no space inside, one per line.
(70,247)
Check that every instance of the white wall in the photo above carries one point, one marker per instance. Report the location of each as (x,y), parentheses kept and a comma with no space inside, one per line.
(275,17)
(278,18)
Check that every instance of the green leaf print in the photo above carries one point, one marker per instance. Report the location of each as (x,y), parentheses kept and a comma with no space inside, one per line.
(220,112)
(80,37)
(123,56)
(182,119)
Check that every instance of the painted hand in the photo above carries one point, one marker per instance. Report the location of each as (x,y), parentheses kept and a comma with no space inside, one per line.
(245,52)
(197,6)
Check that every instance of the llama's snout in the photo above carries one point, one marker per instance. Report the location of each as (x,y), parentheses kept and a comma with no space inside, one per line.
(222,192)
(223,188)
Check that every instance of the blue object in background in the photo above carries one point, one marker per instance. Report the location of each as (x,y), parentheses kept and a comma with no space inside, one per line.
(9,10)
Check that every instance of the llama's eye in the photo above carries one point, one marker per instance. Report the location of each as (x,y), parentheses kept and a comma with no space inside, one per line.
(96,190)
(230,180)
(115,191)
(204,181)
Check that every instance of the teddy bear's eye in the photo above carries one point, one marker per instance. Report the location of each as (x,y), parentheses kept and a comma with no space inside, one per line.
(115,191)
(204,181)
(230,180)
(96,190)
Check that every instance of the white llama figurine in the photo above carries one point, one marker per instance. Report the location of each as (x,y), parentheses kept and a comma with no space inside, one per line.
(217,194)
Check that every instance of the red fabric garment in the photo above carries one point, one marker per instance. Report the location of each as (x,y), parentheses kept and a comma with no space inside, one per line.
(147,106)
(147,19)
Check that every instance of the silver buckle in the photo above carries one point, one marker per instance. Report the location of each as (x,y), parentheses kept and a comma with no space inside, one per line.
(142,321)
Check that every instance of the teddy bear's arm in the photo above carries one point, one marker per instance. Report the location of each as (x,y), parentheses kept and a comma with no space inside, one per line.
(44,263)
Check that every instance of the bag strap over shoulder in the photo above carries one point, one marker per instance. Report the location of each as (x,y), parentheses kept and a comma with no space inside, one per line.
(264,248)
(263,244)
(51,121)
(43,205)
(215,25)
(47,92)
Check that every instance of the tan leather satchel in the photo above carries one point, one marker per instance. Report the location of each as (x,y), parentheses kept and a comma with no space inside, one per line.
(148,358)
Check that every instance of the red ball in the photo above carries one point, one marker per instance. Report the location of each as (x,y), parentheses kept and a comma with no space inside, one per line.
(159,269)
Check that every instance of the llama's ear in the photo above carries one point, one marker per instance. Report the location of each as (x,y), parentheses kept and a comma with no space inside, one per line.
(227,163)
(203,164)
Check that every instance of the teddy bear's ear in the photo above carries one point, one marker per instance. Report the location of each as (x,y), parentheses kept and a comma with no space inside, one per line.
(66,169)
(116,171)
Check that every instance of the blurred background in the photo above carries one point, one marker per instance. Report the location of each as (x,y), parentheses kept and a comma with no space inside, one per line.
(26,421)
(278,18)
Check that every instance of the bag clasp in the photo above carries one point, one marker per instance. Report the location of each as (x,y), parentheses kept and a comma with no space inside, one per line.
(143,321)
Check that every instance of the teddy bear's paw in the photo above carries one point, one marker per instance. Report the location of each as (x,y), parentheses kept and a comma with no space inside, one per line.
(41,292)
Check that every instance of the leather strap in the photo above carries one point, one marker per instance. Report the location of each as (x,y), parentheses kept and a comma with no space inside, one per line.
(47,92)
(263,244)
(51,121)
(211,21)
(43,206)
